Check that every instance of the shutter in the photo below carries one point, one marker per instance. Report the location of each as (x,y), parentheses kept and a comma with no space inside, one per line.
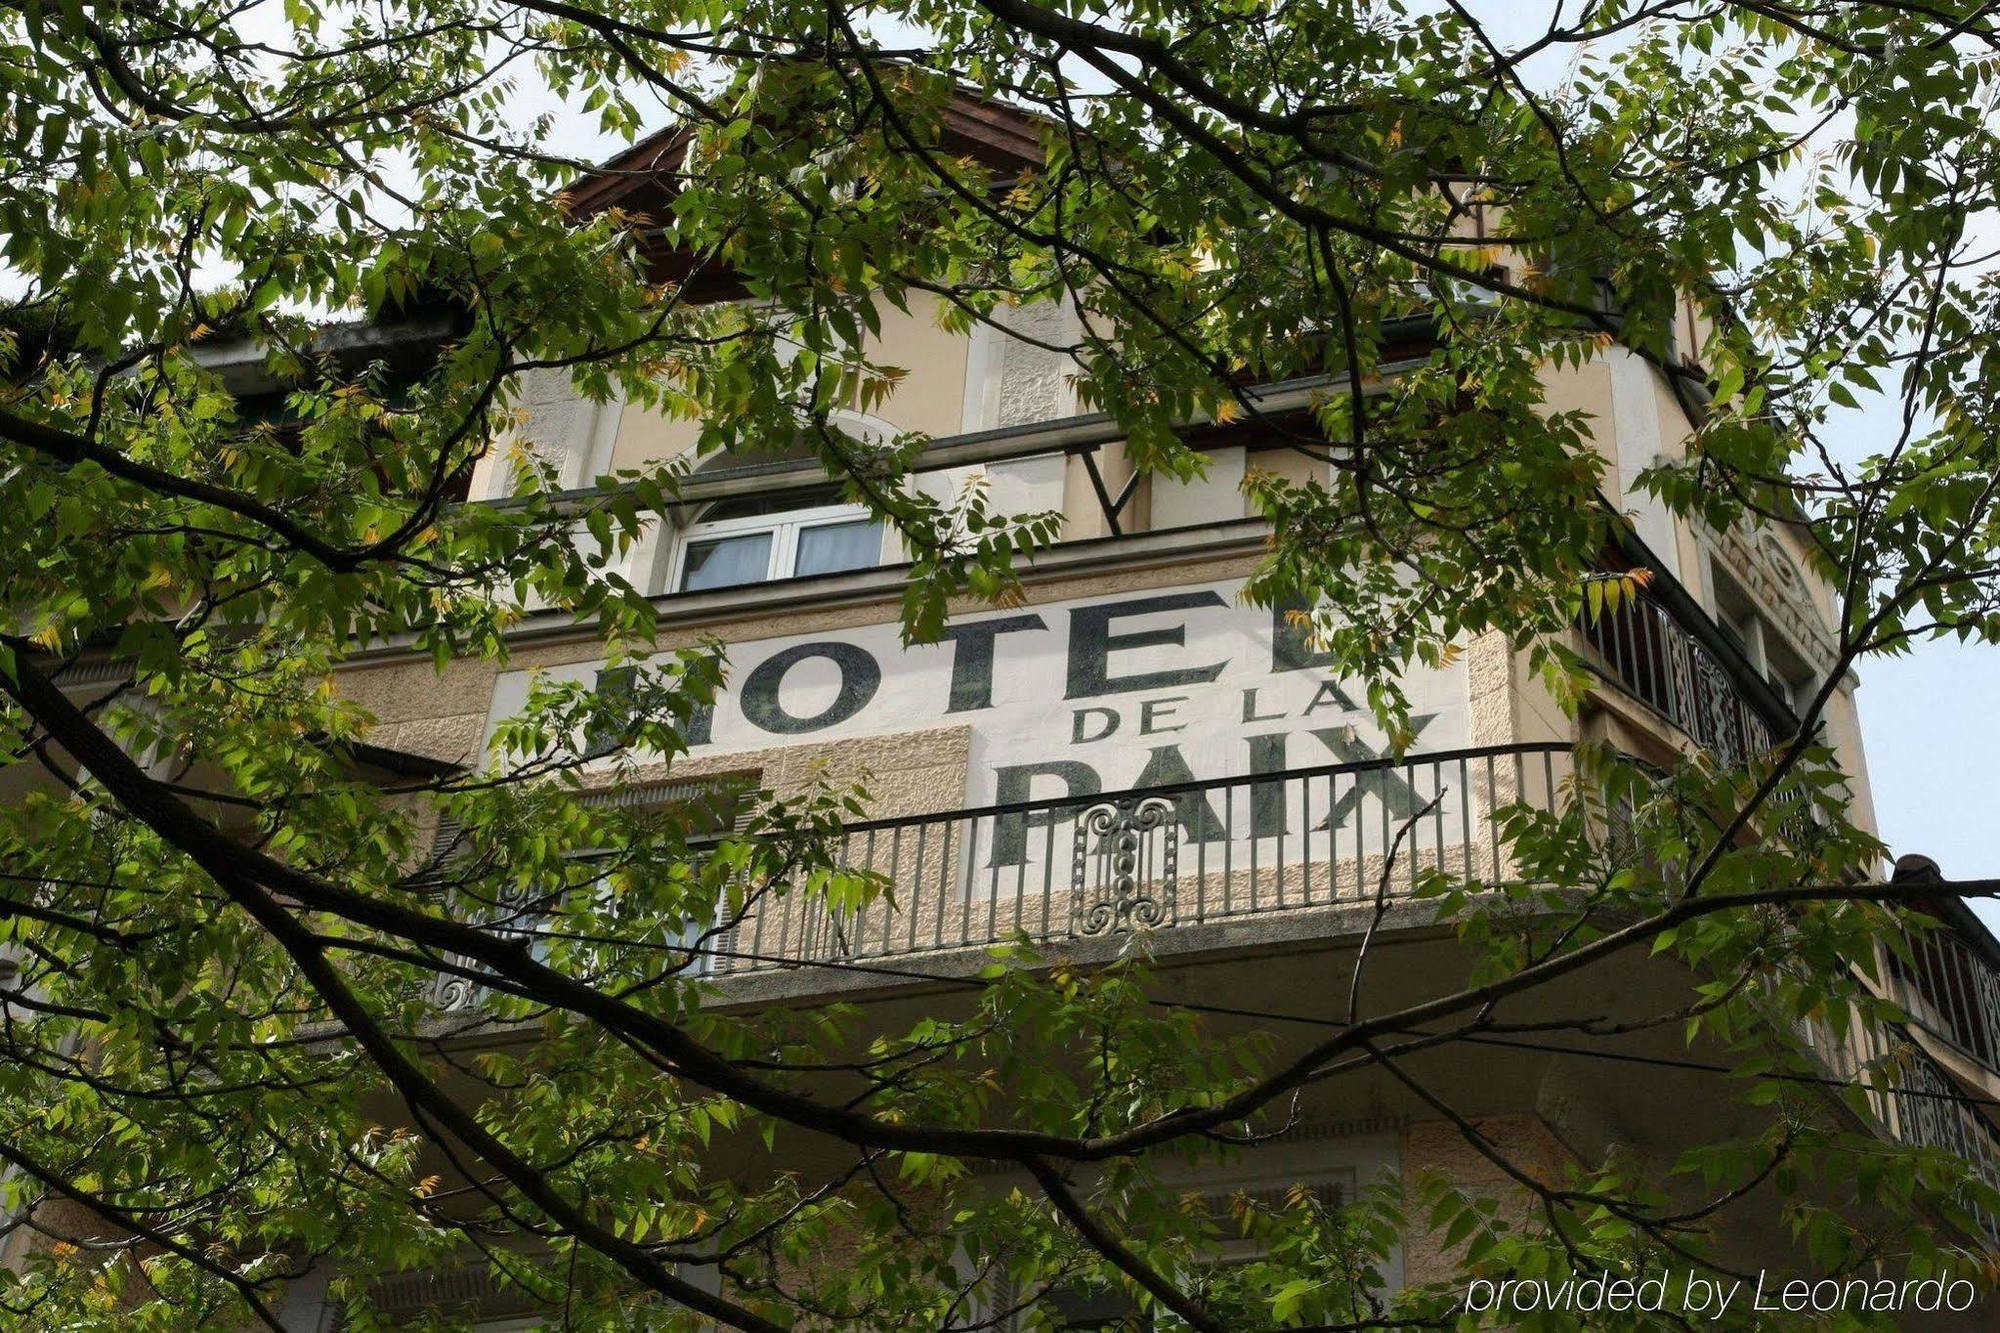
(721,805)
(1004,1293)
(721,797)
(472,1290)
(723,946)
(1335,1191)
(446,838)
(448,844)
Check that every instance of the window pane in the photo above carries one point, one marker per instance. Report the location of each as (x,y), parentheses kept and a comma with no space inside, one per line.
(832,547)
(617,687)
(724,562)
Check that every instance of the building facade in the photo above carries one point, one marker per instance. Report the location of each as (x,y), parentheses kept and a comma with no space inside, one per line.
(1134,748)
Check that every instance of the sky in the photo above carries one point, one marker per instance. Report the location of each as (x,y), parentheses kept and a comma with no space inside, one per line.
(1929,725)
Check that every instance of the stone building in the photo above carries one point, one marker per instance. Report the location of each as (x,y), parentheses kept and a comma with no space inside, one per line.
(1133,697)
(1133,747)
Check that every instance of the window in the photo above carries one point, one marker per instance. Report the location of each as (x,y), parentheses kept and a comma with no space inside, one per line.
(712,808)
(1082,1308)
(756,539)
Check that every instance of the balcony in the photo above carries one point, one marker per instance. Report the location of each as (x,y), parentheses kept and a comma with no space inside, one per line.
(1676,663)
(1658,660)
(1951,990)
(1913,1100)
(1927,1109)
(1066,869)
(1162,858)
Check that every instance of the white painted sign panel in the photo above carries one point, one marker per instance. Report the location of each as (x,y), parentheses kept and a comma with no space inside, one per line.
(1068,698)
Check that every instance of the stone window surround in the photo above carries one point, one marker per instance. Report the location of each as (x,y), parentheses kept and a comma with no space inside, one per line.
(784,526)
(1335,1159)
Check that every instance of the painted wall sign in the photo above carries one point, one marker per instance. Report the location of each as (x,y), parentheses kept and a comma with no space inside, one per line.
(1069,698)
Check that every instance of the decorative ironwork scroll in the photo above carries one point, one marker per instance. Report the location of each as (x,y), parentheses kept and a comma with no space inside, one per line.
(511,915)
(1123,865)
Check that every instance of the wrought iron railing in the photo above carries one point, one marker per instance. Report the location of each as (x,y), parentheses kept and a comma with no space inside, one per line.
(1913,1100)
(1659,662)
(1951,991)
(1163,857)
(1080,867)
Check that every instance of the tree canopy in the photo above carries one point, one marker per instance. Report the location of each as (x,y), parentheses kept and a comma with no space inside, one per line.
(226,925)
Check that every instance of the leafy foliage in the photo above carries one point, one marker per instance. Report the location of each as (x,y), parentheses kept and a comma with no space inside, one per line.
(274,277)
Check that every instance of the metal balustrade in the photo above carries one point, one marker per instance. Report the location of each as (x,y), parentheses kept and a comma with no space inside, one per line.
(1080,867)
(1658,662)
(1100,865)
(1951,991)
(1928,1110)
(1912,1099)
(1171,856)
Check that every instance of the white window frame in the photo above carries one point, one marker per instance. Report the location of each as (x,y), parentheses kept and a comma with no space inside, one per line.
(784,527)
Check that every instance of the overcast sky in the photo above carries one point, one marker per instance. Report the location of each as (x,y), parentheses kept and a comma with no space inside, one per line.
(1929,725)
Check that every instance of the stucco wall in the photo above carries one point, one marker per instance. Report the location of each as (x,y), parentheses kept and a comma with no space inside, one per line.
(1436,1146)
(929,398)
(909,773)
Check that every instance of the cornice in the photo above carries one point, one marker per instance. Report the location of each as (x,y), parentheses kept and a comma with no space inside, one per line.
(884,584)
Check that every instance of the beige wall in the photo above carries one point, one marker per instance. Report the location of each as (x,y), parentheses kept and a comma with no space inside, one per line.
(1435,1146)
(645,436)
(420,709)
(909,773)
(930,398)
(443,715)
